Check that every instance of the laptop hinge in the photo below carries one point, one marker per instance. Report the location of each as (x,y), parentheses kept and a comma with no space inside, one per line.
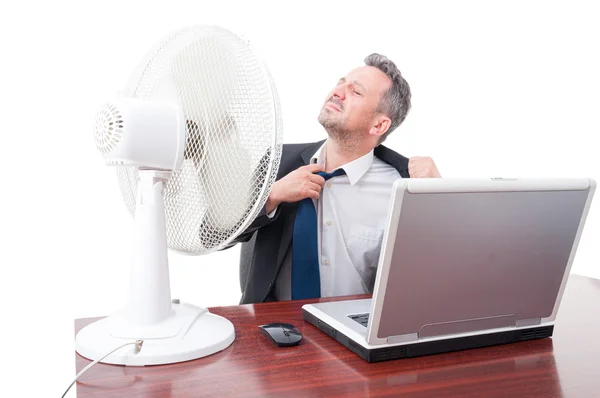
(402,338)
(528,322)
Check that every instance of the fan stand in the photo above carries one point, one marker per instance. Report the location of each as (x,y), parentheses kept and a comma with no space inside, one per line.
(172,332)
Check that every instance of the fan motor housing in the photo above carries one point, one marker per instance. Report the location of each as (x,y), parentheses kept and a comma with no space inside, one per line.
(143,133)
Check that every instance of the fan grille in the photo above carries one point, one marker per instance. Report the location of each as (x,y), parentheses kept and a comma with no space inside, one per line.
(234,138)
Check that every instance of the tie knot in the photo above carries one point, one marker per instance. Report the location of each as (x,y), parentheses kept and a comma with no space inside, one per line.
(335,173)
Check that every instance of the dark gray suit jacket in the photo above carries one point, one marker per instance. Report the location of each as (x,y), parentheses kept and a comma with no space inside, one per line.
(266,240)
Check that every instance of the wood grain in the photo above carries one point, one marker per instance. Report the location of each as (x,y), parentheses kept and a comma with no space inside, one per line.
(564,365)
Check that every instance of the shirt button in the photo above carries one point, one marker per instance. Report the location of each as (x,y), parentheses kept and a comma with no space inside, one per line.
(326,262)
(328,185)
(329,223)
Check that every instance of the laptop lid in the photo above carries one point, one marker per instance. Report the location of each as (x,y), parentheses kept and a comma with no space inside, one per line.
(466,256)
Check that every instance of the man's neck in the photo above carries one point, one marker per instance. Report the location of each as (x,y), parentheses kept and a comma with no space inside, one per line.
(338,155)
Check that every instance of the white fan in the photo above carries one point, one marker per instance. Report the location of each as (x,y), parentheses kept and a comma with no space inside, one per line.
(197,140)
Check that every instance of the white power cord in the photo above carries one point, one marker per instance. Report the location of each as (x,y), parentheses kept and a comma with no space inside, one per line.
(137,349)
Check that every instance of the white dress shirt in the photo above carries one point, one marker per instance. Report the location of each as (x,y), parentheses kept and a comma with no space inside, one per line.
(351,217)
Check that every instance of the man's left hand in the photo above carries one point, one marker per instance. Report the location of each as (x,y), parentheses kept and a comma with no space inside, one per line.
(422,167)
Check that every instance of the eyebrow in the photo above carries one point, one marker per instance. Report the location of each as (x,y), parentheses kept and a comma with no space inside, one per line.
(343,80)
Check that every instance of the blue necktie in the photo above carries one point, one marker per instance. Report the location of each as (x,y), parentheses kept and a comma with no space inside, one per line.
(306,279)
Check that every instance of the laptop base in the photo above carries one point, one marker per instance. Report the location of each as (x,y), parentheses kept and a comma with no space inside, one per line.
(431,347)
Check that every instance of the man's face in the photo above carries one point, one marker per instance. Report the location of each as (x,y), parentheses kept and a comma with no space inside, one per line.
(349,110)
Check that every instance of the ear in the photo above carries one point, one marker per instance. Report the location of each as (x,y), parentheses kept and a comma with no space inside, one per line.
(382,125)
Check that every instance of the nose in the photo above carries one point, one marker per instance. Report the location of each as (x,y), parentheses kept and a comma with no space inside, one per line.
(340,91)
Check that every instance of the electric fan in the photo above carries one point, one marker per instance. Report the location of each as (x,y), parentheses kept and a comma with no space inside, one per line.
(196,139)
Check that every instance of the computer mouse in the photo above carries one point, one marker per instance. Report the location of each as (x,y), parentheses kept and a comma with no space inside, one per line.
(281,334)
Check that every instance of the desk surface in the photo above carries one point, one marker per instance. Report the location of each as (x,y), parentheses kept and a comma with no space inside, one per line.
(564,365)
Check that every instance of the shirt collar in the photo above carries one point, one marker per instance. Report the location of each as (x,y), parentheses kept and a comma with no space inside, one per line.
(354,170)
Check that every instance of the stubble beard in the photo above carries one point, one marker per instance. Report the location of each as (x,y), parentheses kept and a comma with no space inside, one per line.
(348,140)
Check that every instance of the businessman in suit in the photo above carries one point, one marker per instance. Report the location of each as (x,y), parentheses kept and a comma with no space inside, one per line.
(320,232)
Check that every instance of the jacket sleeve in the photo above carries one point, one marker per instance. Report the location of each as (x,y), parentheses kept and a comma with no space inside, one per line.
(260,221)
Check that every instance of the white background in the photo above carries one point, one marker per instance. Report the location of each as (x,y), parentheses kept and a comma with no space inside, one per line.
(505,88)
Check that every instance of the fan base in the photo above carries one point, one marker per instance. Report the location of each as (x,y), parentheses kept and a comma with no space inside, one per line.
(189,333)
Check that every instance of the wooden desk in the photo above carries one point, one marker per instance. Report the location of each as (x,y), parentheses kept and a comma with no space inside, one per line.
(565,365)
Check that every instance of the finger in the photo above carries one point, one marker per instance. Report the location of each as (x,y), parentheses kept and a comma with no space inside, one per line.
(315,187)
(415,170)
(414,160)
(317,179)
(313,168)
(419,160)
(418,173)
(313,194)
(412,164)
(419,165)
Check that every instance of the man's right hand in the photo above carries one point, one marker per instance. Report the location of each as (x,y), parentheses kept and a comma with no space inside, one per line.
(300,184)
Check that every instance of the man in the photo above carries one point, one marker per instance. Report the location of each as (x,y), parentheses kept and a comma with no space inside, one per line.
(321,229)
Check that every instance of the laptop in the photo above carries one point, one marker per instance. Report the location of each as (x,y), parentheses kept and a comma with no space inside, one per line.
(464,263)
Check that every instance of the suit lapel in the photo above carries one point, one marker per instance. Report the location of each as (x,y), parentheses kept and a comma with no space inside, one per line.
(310,150)
(397,161)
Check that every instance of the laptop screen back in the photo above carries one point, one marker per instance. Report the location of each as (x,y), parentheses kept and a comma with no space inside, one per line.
(472,261)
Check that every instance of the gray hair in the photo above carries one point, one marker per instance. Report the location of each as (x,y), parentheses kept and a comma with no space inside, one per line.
(395,102)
